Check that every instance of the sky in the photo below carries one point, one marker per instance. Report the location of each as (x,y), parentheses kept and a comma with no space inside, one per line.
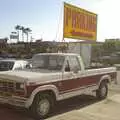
(45,17)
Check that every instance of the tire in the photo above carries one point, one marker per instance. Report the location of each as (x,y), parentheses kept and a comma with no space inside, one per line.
(42,106)
(102,92)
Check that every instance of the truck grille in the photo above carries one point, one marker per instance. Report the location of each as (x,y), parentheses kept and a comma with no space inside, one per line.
(7,87)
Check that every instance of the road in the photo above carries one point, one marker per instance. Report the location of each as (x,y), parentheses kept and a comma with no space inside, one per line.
(67,107)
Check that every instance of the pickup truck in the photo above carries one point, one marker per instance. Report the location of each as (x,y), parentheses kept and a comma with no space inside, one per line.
(52,77)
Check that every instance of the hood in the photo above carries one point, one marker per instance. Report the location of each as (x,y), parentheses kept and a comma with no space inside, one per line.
(24,76)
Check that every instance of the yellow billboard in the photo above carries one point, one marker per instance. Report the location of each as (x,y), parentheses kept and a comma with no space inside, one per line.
(79,23)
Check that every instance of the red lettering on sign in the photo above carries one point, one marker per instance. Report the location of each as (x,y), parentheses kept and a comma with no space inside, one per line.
(81,21)
(73,19)
(67,16)
(87,22)
(93,22)
(90,24)
(75,33)
(78,20)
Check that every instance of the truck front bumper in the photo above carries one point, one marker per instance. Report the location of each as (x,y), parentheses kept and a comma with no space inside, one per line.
(14,100)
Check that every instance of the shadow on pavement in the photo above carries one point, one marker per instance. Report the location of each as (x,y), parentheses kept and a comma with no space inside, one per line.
(73,104)
(8,112)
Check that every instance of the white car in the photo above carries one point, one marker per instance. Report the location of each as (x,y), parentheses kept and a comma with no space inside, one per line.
(12,64)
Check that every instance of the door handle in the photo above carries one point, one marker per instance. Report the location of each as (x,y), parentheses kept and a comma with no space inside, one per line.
(59,84)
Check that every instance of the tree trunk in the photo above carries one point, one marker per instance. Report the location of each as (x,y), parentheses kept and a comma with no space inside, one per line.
(22,36)
(27,37)
(18,36)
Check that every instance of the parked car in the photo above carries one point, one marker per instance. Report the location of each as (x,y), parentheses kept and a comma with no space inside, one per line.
(12,64)
(112,59)
(53,77)
(7,55)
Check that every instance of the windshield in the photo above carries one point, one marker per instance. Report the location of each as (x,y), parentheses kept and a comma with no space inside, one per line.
(6,65)
(50,62)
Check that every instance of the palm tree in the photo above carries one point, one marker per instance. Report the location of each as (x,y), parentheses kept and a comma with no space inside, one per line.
(27,31)
(22,29)
(17,27)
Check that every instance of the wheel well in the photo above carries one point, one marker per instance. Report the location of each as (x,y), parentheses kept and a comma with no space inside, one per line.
(105,80)
(50,92)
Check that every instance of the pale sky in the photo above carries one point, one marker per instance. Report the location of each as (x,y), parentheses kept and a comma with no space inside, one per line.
(44,17)
(108,19)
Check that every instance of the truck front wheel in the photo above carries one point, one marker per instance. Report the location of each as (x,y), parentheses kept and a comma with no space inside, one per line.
(102,92)
(42,106)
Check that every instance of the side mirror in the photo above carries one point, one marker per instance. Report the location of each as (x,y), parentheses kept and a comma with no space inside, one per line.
(67,69)
(29,66)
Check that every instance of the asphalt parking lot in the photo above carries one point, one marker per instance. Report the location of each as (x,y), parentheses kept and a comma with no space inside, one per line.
(78,108)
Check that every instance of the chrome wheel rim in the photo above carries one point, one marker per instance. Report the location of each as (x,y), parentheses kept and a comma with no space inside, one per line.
(43,107)
(103,91)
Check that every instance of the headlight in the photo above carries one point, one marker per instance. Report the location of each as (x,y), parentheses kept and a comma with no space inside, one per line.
(22,86)
(19,86)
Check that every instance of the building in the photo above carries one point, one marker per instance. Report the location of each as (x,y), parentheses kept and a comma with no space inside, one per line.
(82,48)
(3,43)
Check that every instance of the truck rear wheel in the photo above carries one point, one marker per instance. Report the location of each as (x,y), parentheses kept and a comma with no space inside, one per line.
(42,106)
(102,92)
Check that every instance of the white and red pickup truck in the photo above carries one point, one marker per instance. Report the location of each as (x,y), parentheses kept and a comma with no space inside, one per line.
(52,77)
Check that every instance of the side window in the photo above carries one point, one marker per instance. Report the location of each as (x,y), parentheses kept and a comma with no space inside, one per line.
(74,63)
(18,66)
(67,67)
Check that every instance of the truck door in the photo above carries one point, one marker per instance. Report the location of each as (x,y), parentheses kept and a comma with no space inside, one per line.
(72,69)
(75,79)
